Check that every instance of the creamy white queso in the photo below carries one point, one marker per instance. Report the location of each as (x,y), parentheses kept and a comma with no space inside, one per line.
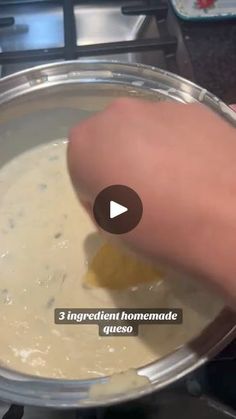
(47,241)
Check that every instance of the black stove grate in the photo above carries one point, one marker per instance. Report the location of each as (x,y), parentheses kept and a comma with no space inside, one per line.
(14,412)
(70,51)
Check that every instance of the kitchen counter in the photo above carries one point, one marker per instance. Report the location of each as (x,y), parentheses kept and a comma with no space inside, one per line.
(212,47)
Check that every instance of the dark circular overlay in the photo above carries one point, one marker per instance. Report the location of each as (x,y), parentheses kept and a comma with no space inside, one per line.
(125,196)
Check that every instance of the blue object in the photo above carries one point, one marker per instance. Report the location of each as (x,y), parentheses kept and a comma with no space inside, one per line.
(188,10)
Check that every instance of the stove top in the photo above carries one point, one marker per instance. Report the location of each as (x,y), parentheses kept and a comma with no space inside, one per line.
(42,31)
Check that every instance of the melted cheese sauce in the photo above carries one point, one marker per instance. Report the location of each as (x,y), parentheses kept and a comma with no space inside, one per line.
(46,244)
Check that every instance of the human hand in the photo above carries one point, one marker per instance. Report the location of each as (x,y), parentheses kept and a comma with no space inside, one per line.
(181,161)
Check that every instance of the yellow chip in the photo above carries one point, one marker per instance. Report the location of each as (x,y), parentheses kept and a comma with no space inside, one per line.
(116,269)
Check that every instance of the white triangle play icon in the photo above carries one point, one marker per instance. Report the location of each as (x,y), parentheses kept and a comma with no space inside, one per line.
(116,209)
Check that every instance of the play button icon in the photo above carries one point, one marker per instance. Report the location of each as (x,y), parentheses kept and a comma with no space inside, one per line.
(117,209)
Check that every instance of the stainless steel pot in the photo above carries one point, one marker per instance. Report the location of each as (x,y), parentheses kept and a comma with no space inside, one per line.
(39,105)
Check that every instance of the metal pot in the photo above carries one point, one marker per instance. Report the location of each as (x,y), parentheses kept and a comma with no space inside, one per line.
(40,104)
